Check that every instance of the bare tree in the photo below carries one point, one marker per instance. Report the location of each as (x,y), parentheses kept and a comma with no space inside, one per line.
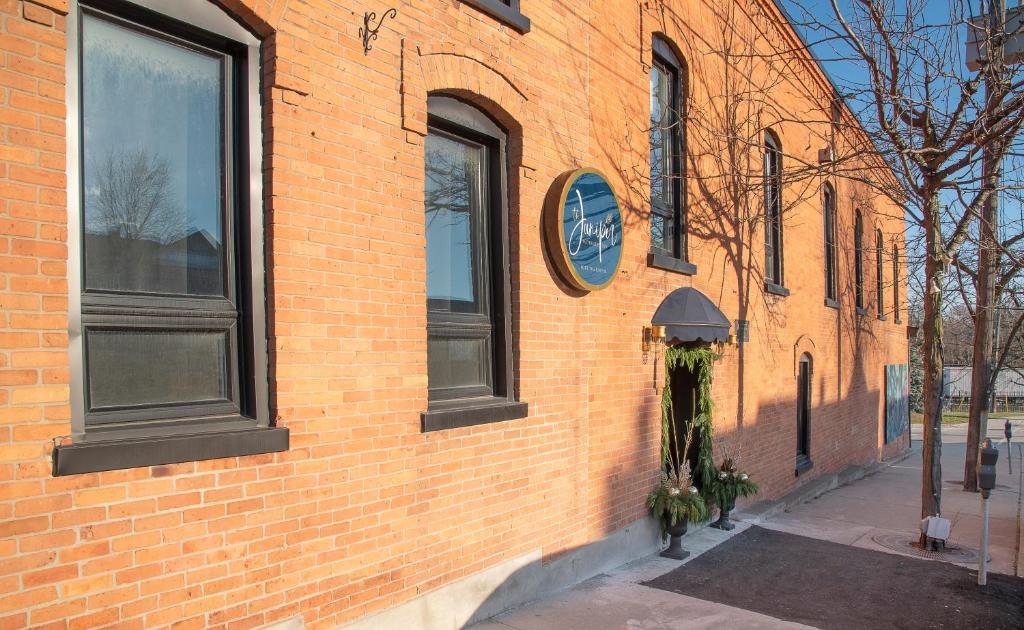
(929,118)
(132,198)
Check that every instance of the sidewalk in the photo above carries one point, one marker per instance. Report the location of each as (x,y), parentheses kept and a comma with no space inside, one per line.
(880,507)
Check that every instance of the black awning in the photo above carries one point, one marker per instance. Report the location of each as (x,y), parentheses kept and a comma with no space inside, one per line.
(688,315)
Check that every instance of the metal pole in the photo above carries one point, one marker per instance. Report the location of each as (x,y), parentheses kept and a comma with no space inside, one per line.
(983,561)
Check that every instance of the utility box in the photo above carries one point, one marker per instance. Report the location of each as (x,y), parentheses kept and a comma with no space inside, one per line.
(936,529)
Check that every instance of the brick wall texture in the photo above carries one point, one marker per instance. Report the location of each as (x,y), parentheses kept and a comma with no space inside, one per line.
(366,511)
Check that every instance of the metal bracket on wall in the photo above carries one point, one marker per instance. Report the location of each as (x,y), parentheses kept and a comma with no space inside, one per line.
(369,34)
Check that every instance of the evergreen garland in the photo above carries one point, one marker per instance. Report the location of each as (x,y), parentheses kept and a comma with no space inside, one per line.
(697,359)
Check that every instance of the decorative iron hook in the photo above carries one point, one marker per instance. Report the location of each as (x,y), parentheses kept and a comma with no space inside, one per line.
(369,34)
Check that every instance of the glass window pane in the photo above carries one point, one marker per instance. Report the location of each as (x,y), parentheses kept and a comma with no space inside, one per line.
(152,163)
(161,367)
(661,136)
(455,222)
(459,362)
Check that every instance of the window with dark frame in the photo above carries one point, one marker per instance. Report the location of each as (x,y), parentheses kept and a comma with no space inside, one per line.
(469,349)
(667,154)
(858,258)
(880,273)
(829,211)
(896,283)
(803,414)
(773,209)
(167,329)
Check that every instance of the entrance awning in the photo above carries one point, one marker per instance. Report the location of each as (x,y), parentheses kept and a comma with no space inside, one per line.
(688,315)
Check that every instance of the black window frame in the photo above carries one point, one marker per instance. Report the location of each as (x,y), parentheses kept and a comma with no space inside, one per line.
(774,271)
(880,274)
(505,11)
(666,61)
(451,117)
(896,283)
(805,372)
(829,222)
(139,435)
(858,262)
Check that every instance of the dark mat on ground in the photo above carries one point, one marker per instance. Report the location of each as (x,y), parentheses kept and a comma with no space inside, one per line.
(833,586)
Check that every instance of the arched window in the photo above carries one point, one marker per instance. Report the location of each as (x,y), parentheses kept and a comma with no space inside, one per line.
(469,322)
(165,232)
(880,273)
(896,283)
(858,258)
(668,157)
(829,215)
(803,414)
(772,209)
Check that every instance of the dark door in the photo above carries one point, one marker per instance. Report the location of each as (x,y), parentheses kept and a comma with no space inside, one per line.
(684,411)
(803,415)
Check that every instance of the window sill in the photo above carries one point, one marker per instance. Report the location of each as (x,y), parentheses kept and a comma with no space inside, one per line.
(502,12)
(467,413)
(831,303)
(776,289)
(882,318)
(668,263)
(803,464)
(861,311)
(100,455)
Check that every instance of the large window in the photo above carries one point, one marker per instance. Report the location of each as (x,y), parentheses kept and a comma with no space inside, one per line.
(667,154)
(772,210)
(469,350)
(880,273)
(858,261)
(829,212)
(167,323)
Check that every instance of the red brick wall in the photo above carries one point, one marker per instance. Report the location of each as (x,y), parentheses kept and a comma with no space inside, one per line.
(365,511)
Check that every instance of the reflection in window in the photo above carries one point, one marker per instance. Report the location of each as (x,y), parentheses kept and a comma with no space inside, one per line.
(460,323)
(161,311)
(830,242)
(772,209)
(879,272)
(153,158)
(668,221)
(858,258)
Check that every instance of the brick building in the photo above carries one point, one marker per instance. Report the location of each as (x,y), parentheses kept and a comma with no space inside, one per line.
(286,337)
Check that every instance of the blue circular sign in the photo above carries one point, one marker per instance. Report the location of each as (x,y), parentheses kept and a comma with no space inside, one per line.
(587,229)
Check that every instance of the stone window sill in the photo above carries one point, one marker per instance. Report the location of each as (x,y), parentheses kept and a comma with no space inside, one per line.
(467,413)
(502,12)
(803,464)
(829,302)
(117,454)
(776,289)
(668,263)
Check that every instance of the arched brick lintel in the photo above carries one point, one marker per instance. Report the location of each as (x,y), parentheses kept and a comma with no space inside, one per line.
(485,84)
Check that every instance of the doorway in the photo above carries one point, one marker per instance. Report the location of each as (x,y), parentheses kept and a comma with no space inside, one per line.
(684,413)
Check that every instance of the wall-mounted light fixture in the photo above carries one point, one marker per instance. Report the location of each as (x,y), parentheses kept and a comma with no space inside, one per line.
(369,34)
(652,334)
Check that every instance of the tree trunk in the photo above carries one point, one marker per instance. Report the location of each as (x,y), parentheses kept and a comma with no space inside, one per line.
(988,264)
(935,267)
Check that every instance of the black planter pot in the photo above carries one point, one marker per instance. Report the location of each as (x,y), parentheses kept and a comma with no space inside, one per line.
(723,521)
(675,546)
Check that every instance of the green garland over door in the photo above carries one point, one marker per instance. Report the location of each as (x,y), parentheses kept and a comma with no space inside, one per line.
(699,360)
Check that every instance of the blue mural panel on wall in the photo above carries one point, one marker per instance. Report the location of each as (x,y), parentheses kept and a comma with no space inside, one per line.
(897,401)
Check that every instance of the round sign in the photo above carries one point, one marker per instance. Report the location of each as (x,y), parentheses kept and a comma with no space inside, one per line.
(586,230)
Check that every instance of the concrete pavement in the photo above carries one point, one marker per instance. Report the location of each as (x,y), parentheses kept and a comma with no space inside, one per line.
(883,506)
